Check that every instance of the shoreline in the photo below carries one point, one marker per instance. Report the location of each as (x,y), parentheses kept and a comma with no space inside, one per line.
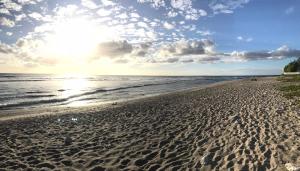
(61,110)
(240,125)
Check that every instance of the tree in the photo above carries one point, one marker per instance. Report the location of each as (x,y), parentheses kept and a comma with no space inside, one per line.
(293,66)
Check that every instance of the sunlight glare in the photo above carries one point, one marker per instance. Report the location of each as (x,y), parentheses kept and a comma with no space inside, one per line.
(76,38)
(74,86)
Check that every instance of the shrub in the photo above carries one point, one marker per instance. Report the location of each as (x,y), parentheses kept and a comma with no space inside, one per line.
(293,66)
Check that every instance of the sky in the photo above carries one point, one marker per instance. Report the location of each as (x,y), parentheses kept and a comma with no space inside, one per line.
(149,37)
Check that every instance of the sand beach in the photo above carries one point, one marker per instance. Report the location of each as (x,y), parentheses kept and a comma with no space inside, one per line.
(235,125)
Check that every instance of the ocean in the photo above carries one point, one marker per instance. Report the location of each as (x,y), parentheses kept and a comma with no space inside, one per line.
(19,91)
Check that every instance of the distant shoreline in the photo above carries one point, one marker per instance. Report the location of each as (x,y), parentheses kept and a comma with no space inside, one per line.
(25,98)
(35,112)
(260,75)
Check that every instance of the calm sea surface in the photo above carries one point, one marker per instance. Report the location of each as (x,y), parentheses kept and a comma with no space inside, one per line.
(37,90)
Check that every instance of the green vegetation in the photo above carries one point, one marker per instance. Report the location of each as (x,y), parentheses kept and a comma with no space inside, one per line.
(291,91)
(293,66)
(289,78)
(290,86)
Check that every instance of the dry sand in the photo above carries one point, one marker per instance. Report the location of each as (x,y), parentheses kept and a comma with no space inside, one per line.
(240,125)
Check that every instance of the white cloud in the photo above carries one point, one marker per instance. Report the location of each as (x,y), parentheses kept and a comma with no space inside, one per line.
(5,49)
(89,4)
(4,11)
(226,6)
(24,2)
(68,10)
(289,10)
(9,33)
(108,2)
(177,7)
(249,39)
(280,53)
(36,16)
(194,14)
(135,15)
(240,38)
(245,39)
(6,22)
(20,17)
(186,47)
(181,4)
(142,24)
(103,12)
(204,32)
(122,16)
(154,3)
(114,49)
(172,14)
(10,5)
(168,26)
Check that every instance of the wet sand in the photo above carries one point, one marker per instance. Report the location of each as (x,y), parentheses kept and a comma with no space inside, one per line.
(238,125)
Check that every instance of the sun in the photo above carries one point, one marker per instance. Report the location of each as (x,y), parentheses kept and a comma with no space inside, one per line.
(75,38)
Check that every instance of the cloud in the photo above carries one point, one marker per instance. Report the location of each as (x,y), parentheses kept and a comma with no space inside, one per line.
(89,4)
(280,53)
(114,49)
(172,14)
(6,22)
(154,3)
(20,17)
(226,6)
(182,51)
(108,3)
(4,11)
(289,10)
(204,32)
(209,59)
(103,12)
(36,16)
(10,5)
(141,49)
(185,51)
(248,39)
(134,15)
(6,49)
(187,60)
(168,26)
(183,8)
(185,47)
(122,16)
(121,61)
(9,33)
(24,2)
(68,10)
(202,51)
(181,4)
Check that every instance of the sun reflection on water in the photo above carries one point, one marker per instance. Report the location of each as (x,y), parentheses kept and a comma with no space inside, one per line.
(73,88)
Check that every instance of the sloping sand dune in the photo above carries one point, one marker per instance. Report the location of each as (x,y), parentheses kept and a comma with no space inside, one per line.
(241,125)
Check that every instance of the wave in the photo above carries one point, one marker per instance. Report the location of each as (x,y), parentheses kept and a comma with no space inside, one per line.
(8,76)
(59,100)
(36,92)
(38,96)
(120,88)
(30,103)
(28,80)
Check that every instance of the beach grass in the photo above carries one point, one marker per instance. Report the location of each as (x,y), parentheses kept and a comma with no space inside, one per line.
(289,78)
(290,86)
